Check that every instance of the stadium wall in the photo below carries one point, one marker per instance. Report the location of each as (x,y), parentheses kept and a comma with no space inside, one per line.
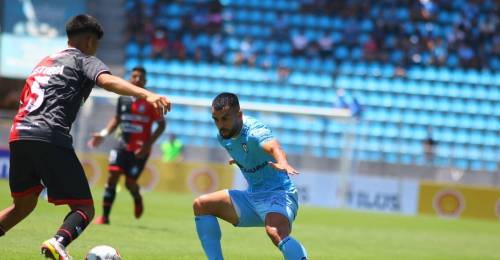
(323,189)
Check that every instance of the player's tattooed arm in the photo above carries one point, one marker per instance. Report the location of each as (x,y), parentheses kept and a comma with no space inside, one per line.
(275,149)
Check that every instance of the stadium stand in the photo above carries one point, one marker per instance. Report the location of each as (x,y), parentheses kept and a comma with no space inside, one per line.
(411,64)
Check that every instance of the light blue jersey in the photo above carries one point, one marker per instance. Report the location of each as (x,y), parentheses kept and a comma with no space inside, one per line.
(269,191)
(246,149)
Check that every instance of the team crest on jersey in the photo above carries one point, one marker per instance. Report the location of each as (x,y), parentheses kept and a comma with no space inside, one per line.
(245,147)
(141,108)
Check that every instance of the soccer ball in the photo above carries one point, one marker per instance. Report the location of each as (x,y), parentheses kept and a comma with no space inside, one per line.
(103,252)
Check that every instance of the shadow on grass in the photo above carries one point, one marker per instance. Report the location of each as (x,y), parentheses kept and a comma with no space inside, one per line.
(147,228)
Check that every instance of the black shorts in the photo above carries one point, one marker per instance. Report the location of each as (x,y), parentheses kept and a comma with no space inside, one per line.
(121,160)
(36,164)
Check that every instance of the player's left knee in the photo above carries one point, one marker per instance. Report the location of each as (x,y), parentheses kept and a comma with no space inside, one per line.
(198,206)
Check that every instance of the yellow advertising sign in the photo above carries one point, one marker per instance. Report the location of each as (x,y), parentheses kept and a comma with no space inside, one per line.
(456,201)
(197,178)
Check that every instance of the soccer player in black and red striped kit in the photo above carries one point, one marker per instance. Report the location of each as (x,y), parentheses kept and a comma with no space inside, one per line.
(135,117)
(41,150)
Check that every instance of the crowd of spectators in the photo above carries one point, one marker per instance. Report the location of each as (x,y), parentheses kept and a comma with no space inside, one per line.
(420,37)
(199,36)
(468,39)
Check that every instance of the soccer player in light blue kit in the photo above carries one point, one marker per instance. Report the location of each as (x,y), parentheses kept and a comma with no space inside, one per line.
(271,197)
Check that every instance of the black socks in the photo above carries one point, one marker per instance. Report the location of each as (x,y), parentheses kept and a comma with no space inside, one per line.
(107,202)
(74,224)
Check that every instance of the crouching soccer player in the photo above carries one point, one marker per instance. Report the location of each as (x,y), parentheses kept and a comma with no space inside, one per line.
(271,197)
(41,149)
(135,118)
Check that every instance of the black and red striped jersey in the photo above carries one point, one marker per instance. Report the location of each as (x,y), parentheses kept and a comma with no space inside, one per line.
(136,119)
(52,96)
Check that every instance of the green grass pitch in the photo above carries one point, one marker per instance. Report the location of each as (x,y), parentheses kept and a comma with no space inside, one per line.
(167,231)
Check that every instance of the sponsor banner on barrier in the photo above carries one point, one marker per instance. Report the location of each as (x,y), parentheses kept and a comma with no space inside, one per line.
(4,164)
(356,192)
(380,194)
(196,178)
(456,201)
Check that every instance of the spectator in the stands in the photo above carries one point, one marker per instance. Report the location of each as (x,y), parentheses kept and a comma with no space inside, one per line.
(280,28)
(199,19)
(217,49)
(177,49)
(307,5)
(466,55)
(487,26)
(270,59)
(159,43)
(496,42)
(199,54)
(246,53)
(283,73)
(326,44)
(313,50)
(214,17)
(351,31)
(190,43)
(299,43)
(428,9)
(370,49)
(439,52)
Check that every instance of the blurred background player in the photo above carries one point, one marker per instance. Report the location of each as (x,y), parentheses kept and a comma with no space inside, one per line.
(41,150)
(172,149)
(271,198)
(135,118)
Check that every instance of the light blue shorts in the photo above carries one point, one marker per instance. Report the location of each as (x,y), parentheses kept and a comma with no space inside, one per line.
(252,207)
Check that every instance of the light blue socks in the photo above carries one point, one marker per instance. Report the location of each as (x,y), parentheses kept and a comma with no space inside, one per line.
(209,234)
(292,249)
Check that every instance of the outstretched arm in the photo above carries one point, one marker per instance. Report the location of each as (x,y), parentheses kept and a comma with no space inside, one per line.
(123,87)
(98,137)
(274,148)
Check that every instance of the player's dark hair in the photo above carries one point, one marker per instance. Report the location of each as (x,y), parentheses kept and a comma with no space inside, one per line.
(83,23)
(140,69)
(226,99)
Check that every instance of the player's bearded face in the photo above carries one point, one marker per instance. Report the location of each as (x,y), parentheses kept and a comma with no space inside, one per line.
(228,121)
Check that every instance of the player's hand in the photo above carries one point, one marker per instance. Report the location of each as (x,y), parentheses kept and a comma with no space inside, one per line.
(232,161)
(95,141)
(162,104)
(284,167)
